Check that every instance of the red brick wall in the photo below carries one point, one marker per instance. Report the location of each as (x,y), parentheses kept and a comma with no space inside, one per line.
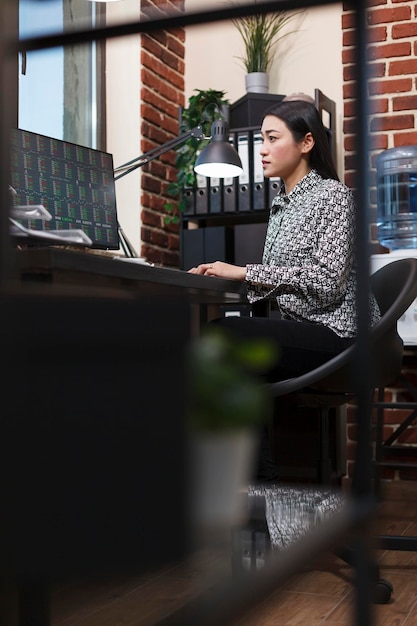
(162,93)
(403,448)
(392,62)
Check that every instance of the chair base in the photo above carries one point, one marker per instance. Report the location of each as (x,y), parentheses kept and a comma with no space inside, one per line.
(254,544)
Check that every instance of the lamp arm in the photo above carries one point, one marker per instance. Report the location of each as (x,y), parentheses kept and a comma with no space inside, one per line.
(145,158)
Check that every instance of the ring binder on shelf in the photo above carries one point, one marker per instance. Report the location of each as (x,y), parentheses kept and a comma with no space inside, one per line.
(228,186)
(258,179)
(244,178)
(202,195)
(189,199)
(229,195)
(274,185)
(215,196)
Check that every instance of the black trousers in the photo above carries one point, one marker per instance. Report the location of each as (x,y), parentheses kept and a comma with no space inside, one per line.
(300,347)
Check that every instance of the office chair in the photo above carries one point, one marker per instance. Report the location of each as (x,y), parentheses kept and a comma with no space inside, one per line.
(334,383)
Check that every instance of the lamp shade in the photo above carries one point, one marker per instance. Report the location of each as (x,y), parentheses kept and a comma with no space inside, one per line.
(219,159)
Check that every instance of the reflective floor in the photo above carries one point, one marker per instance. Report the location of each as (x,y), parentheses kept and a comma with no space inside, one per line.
(321,594)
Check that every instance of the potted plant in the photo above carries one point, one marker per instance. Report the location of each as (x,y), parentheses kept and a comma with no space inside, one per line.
(227,405)
(203,108)
(260,34)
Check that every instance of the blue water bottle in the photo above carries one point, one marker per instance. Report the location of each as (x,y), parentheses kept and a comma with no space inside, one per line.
(396,172)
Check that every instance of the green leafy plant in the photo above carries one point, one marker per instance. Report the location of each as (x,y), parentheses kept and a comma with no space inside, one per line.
(203,108)
(225,390)
(260,34)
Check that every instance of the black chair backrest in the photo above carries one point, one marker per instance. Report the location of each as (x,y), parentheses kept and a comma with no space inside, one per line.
(395,288)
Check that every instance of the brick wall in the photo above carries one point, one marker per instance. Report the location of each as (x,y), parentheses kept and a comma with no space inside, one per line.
(162,93)
(392,63)
(392,59)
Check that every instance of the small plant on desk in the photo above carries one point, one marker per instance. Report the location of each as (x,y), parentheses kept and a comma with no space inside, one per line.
(225,392)
(227,404)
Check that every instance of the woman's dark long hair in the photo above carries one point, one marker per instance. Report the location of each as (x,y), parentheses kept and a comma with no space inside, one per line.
(302,117)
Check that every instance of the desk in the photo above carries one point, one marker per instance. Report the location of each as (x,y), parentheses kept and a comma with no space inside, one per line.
(95,399)
(60,266)
(92,447)
(64,267)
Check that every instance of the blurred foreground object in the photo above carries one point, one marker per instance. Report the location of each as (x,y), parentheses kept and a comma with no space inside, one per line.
(227,404)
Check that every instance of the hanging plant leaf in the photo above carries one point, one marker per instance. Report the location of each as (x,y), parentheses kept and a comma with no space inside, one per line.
(203,109)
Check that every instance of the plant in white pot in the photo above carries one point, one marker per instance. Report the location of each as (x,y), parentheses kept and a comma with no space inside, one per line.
(227,404)
(261,34)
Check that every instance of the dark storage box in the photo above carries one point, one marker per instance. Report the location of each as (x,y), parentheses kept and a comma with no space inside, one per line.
(250,109)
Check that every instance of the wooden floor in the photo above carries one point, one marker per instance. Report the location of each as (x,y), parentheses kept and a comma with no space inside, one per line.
(321,594)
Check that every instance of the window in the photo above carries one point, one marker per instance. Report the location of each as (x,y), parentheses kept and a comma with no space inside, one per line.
(59,87)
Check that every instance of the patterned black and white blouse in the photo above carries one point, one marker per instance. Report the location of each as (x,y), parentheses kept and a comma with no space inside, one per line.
(308,260)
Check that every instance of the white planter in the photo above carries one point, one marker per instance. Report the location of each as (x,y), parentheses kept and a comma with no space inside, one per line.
(221,466)
(257,82)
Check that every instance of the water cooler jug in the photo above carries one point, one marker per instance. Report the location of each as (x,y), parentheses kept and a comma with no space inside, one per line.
(396,179)
(396,183)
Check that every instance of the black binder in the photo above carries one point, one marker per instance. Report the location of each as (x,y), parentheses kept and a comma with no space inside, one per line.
(228,189)
(259,200)
(244,199)
(274,186)
(188,196)
(215,196)
(202,195)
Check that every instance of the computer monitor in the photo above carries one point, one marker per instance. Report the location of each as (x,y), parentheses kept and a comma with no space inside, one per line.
(74,183)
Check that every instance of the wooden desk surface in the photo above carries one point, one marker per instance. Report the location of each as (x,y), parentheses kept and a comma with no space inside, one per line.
(60,266)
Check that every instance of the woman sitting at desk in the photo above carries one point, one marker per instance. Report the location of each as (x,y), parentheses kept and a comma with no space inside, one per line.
(308,265)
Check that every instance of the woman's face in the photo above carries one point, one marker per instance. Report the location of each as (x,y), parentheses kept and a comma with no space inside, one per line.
(281,155)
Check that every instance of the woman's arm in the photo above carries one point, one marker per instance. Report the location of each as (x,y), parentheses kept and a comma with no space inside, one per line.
(221,270)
